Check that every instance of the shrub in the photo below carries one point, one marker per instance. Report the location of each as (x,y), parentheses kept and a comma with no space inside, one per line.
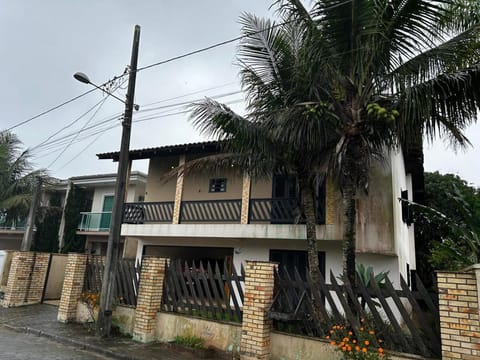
(363,346)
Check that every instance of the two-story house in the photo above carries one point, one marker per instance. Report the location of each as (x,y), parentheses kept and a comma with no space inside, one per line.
(94,223)
(230,217)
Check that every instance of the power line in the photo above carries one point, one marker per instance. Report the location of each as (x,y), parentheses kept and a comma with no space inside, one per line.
(50,110)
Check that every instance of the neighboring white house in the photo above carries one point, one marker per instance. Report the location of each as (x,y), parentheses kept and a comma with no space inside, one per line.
(94,222)
(231,218)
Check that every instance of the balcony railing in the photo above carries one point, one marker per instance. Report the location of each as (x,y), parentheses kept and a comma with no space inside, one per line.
(274,211)
(143,212)
(95,221)
(12,224)
(277,211)
(211,211)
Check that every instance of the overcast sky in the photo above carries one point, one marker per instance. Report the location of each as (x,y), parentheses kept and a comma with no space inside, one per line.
(45,42)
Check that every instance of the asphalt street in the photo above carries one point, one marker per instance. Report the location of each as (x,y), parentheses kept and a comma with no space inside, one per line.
(23,346)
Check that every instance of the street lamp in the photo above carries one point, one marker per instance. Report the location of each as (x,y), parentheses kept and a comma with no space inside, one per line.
(82,77)
(104,321)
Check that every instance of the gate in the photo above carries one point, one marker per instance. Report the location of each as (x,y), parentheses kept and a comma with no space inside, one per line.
(54,279)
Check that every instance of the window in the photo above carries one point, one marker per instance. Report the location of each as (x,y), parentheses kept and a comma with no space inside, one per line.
(217,185)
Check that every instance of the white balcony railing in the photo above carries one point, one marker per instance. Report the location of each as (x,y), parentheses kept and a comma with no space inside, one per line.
(95,221)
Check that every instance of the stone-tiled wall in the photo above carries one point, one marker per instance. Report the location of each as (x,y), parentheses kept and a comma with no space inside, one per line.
(149,298)
(258,296)
(459,314)
(72,287)
(26,279)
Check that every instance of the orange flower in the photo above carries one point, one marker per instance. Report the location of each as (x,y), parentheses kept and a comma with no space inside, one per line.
(357,348)
(371,332)
(366,342)
(344,348)
(327,337)
(364,350)
(354,341)
(349,348)
(333,343)
(350,333)
(380,350)
(361,329)
(345,339)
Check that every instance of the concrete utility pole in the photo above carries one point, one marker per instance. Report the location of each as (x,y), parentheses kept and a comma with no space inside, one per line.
(28,234)
(104,321)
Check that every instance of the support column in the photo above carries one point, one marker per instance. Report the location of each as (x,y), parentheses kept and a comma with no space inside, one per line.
(26,278)
(258,297)
(330,202)
(178,193)
(149,298)
(72,287)
(459,314)
(246,186)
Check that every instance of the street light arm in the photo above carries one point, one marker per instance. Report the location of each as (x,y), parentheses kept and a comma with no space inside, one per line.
(84,79)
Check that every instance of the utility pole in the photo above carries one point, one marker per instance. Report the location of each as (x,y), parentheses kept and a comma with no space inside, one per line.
(107,294)
(28,234)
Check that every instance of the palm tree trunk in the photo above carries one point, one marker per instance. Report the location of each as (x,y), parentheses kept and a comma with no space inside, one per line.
(349,216)
(308,198)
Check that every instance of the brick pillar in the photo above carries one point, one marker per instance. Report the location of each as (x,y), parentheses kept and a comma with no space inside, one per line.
(72,287)
(26,279)
(330,202)
(459,314)
(178,194)
(258,296)
(149,299)
(245,199)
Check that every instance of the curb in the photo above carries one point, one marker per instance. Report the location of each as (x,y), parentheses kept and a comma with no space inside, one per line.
(72,342)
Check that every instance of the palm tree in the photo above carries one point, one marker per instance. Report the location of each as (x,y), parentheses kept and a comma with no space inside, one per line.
(17,178)
(400,69)
(286,126)
(335,88)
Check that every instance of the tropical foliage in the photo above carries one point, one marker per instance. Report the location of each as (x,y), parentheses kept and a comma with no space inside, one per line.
(448,226)
(17,178)
(331,89)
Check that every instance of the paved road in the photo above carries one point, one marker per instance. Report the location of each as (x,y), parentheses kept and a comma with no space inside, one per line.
(22,346)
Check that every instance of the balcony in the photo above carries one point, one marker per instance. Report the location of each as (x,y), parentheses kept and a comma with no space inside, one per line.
(12,225)
(268,211)
(95,221)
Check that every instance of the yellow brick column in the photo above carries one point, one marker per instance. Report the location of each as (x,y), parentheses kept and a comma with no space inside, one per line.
(258,296)
(246,186)
(459,314)
(72,287)
(330,202)
(178,193)
(149,299)
(26,278)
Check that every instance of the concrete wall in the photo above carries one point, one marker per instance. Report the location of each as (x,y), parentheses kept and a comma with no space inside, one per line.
(157,188)
(291,347)
(217,334)
(403,234)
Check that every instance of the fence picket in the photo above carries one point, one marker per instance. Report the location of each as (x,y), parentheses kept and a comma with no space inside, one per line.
(349,304)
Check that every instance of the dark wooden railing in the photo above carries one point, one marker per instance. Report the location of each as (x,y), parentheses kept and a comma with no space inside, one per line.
(211,211)
(126,279)
(203,289)
(275,211)
(406,320)
(143,212)
(279,211)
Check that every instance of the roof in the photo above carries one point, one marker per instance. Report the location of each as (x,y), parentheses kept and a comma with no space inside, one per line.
(168,150)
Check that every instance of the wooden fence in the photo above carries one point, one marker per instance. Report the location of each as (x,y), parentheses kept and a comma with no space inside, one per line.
(406,320)
(126,280)
(203,289)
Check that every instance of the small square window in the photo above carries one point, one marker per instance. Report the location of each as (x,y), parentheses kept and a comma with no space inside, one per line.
(217,185)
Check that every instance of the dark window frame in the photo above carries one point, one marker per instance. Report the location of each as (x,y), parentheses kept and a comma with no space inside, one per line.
(216,185)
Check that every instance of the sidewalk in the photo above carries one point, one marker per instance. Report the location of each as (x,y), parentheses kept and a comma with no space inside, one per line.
(42,321)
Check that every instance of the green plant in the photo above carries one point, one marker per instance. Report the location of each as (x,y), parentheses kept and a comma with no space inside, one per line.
(364,345)
(191,341)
